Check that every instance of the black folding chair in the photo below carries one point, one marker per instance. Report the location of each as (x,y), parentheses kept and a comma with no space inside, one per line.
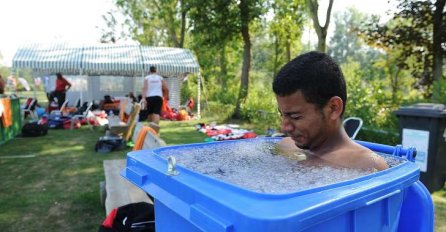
(352,125)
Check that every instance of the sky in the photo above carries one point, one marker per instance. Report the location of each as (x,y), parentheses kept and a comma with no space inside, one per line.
(80,21)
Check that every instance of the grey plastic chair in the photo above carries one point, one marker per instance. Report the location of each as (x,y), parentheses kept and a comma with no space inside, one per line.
(84,114)
(352,125)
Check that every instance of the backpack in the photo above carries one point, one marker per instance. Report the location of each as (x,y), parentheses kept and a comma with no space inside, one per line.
(35,128)
(134,217)
(57,122)
(107,144)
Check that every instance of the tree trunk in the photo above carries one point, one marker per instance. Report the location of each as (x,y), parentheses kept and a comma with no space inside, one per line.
(243,93)
(276,56)
(437,49)
(321,31)
(223,67)
(183,24)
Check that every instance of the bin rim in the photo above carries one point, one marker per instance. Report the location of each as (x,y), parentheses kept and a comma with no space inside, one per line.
(310,206)
(190,191)
(412,169)
(431,110)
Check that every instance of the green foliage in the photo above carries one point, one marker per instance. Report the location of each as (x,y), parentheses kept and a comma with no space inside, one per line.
(374,99)
(5,72)
(411,33)
(217,110)
(286,28)
(439,91)
(345,43)
(157,23)
(378,136)
(260,108)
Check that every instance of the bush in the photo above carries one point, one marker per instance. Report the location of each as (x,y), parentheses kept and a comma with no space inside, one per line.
(260,108)
(218,110)
(378,136)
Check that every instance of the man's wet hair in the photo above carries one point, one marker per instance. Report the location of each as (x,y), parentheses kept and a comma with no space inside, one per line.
(316,74)
(152,69)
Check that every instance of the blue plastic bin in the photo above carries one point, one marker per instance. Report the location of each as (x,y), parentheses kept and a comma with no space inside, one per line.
(389,200)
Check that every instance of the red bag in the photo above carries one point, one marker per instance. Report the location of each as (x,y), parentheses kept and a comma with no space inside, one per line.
(76,124)
(249,135)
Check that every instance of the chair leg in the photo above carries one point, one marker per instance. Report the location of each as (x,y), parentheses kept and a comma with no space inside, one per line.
(89,124)
(33,115)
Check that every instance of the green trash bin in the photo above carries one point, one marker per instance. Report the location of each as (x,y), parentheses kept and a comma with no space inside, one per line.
(423,126)
(7,133)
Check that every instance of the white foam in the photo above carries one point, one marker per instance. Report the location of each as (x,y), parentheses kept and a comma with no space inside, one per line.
(253,165)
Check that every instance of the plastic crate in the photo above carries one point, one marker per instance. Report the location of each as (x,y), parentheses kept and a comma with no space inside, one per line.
(389,200)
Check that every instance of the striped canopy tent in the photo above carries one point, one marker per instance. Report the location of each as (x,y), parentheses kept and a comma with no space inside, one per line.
(42,58)
(169,61)
(111,63)
(110,59)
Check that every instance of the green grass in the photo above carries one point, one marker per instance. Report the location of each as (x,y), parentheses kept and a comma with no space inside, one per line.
(52,184)
(439,198)
(180,132)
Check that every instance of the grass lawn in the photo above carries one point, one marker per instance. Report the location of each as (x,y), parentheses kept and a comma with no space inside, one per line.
(51,183)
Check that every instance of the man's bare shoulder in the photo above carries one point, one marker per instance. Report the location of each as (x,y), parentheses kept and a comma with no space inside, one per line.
(349,155)
(357,156)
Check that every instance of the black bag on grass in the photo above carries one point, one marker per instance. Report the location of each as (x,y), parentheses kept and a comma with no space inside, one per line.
(34,129)
(107,144)
(134,217)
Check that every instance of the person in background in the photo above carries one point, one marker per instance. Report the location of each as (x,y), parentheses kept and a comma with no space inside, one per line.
(62,86)
(11,83)
(132,97)
(311,94)
(2,85)
(47,88)
(154,88)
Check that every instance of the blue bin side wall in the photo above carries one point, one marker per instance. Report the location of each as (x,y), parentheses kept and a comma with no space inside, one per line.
(167,220)
(417,211)
(381,216)
(380,206)
(415,214)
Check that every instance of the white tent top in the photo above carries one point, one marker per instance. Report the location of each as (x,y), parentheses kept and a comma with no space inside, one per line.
(104,59)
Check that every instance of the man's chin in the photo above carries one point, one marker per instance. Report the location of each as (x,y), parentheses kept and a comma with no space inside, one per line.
(302,146)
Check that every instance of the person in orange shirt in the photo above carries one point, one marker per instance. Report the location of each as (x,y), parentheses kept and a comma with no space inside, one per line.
(62,86)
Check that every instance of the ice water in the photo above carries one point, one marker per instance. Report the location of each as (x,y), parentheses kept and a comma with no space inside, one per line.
(256,166)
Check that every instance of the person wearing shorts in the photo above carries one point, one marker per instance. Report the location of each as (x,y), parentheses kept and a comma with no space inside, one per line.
(154,89)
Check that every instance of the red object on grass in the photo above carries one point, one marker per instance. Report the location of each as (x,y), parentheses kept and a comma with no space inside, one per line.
(108,222)
(249,135)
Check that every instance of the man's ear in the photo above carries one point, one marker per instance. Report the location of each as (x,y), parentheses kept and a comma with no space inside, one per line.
(335,107)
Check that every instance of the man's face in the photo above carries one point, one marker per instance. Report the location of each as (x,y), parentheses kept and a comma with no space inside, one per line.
(304,122)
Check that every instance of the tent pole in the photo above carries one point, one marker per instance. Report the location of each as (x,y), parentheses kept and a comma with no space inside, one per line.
(142,76)
(199,96)
(80,89)
(34,84)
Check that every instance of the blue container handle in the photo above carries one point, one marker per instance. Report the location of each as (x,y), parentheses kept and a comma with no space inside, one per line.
(398,150)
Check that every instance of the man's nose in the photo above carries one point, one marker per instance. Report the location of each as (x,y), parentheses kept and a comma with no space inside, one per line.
(286,125)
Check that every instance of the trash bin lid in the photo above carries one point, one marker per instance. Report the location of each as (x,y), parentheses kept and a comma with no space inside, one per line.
(423,110)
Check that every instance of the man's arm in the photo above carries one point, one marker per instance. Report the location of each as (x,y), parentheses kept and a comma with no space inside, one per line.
(67,84)
(144,89)
(165,90)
